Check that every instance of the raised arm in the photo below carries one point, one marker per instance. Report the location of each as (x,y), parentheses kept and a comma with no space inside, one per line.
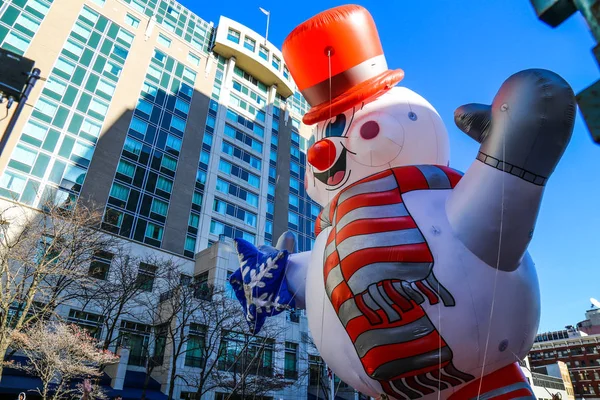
(523,135)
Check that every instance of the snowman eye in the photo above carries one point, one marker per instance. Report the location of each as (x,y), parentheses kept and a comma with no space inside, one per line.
(336,127)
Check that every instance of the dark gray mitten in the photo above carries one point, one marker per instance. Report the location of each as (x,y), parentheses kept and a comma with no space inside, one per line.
(528,126)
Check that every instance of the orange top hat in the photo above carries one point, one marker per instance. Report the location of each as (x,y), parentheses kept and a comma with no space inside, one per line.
(337,61)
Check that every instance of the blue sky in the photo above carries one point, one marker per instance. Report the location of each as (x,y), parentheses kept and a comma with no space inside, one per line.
(457,52)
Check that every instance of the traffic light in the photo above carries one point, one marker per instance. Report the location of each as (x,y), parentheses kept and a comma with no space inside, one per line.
(554,12)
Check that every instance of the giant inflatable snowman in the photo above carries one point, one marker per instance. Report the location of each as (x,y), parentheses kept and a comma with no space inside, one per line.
(419,284)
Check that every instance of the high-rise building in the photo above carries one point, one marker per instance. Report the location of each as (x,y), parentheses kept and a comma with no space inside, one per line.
(180,131)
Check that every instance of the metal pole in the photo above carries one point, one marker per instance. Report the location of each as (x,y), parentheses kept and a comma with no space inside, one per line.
(267,34)
(33,77)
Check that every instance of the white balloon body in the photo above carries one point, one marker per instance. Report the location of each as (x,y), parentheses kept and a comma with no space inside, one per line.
(496,315)
(466,327)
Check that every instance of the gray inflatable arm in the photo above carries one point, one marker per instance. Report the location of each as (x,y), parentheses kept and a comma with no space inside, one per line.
(523,135)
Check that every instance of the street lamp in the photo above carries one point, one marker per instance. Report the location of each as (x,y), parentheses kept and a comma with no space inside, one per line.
(268,14)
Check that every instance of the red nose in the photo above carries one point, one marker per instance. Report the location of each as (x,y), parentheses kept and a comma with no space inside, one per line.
(322,154)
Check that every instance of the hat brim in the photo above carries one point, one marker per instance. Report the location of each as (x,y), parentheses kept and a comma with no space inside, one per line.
(375,86)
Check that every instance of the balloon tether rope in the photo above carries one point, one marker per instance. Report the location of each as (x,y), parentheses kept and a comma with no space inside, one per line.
(487,341)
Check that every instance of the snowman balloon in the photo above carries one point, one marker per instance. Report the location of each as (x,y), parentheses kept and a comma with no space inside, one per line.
(419,284)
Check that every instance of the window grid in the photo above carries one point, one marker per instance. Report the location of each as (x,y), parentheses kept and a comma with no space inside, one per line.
(68,116)
(154,140)
(182,23)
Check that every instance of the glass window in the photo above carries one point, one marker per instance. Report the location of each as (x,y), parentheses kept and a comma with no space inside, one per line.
(314,210)
(45,107)
(132,21)
(182,106)
(263,52)
(13,182)
(82,150)
(216,227)
(154,72)
(294,201)
(168,162)
(144,106)
(119,191)
(24,155)
(132,146)
(89,14)
(149,89)
(174,142)
(90,127)
(201,176)
(35,130)
(125,36)
(65,66)
(154,231)
(190,245)
(295,167)
(126,168)
(276,63)
(56,86)
(295,151)
(194,220)
(233,35)
(178,124)
(164,184)
(249,43)
(18,43)
(82,30)
(99,107)
(138,125)
(293,218)
(197,198)
(270,207)
(39,6)
(269,227)
(73,47)
(252,199)
(159,207)
(193,59)
(163,40)
(286,72)
(189,75)
(294,183)
(205,157)
(112,68)
(106,87)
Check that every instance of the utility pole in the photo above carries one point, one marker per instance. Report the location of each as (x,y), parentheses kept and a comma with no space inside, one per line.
(554,13)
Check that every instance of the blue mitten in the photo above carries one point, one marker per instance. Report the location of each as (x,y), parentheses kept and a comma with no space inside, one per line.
(260,284)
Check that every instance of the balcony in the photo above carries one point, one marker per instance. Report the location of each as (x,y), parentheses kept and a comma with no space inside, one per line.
(269,70)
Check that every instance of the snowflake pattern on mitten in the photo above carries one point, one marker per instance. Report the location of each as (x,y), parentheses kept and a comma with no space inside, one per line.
(259,284)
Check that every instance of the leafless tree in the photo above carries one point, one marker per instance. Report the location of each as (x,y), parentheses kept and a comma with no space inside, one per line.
(44,261)
(122,284)
(59,354)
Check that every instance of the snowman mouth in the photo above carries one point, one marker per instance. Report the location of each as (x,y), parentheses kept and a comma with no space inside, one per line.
(336,174)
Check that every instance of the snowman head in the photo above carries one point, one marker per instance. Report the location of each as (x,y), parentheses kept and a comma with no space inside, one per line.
(396,129)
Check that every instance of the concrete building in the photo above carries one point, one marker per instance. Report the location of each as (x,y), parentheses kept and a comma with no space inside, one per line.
(591,325)
(580,353)
(183,132)
(549,384)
